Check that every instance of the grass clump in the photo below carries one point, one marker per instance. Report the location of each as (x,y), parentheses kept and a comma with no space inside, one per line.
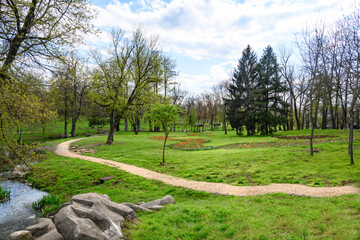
(47,204)
(4,194)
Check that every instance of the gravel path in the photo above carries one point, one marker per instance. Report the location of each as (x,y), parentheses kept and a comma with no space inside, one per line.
(215,188)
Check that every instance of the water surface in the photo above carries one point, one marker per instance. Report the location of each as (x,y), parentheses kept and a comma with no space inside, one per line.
(17,213)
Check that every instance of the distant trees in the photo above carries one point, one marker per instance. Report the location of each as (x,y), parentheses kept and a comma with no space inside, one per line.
(255,93)
(123,81)
(70,86)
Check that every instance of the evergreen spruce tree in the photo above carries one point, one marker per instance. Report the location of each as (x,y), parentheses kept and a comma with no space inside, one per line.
(240,104)
(269,107)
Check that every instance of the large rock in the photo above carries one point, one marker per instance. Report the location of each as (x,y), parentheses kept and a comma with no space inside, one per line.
(21,235)
(42,227)
(88,216)
(19,172)
(52,235)
(92,216)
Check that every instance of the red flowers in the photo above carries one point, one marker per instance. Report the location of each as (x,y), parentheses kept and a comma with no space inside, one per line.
(197,144)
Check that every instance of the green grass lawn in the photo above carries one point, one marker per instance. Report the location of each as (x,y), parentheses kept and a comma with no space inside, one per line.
(245,166)
(199,215)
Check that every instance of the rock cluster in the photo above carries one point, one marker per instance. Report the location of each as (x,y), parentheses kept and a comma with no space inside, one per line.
(89,216)
(19,172)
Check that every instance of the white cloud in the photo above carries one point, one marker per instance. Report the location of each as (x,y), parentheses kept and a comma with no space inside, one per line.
(221,29)
(205,29)
(200,82)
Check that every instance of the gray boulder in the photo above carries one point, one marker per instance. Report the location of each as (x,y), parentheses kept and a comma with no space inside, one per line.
(154,205)
(92,216)
(168,199)
(136,207)
(52,235)
(43,226)
(21,235)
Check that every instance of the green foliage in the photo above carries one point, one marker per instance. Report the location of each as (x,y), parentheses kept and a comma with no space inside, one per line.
(98,122)
(165,114)
(4,194)
(125,82)
(192,118)
(240,104)
(256,93)
(270,109)
(47,204)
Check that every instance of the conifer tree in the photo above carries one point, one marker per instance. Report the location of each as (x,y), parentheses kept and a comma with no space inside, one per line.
(240,105)
(270,108)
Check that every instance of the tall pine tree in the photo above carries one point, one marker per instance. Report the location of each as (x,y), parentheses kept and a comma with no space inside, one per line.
(240,104)
(269,107)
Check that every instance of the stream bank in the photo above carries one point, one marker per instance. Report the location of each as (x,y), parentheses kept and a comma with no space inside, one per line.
(17,213)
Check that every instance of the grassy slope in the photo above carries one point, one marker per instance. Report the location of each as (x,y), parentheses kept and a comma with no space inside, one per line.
(200,215)
(254,166)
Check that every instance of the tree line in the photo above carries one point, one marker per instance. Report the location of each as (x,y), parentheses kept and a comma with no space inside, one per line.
(42,78)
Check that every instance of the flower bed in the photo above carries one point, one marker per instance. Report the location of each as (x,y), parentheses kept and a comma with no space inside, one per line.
(192,145)
(197,144)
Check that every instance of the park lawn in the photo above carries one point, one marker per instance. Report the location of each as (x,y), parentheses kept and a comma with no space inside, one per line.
(199,215)
(249,166)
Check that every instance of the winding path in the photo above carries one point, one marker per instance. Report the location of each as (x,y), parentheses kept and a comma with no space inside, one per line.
(216,188)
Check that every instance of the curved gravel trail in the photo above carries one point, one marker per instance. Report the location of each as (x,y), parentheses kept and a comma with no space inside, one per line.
(216,188)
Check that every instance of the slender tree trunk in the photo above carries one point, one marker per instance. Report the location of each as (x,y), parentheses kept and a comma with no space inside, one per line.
(74,117)
(166,137)
(114,120)
(126,125)
(351,139)
(324,116)
(66,114)
(20,136)
(138,123)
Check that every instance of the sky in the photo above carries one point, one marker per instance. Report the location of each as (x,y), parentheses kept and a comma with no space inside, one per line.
(206,37)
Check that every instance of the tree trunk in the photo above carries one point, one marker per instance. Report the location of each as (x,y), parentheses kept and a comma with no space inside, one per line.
(114,120)
(20,136)
(166,137)
(311,140)
(138,123)
(73,127)
(117,127)
(66,115)
(126,125)
(324,116)
(351,137)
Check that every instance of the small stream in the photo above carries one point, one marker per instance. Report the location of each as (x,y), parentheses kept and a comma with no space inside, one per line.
(17,213)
